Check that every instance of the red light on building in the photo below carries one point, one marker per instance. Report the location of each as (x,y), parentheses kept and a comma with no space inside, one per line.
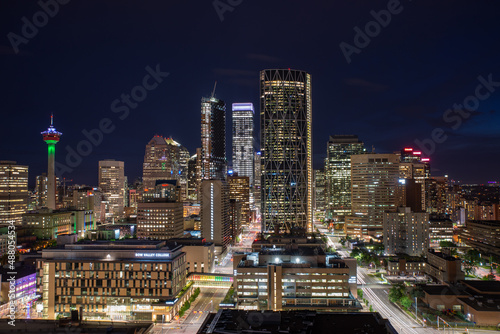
(425,159)
(408,149)
(417,152)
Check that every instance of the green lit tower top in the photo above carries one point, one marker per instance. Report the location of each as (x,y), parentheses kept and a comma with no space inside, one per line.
(51,137)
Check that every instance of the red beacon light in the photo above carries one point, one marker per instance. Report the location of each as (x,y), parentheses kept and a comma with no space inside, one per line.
(425,159)
(417,152)
(408,149)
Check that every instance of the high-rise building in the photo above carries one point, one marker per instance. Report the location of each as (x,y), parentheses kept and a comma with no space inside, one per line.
(112,184)
(213,138)
(374,178)
(243,139)
(406,232)
(320,192)
(239,189)
(215,225)
(163,160)
(257,180)
(338,175)
(87,198)
(160,216)
(51,137)
(286,146)
(41,190)
(13,192)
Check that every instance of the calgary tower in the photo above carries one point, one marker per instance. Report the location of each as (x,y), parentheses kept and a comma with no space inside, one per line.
(51,137)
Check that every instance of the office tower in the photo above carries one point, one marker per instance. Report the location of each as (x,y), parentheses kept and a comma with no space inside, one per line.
(215,225)
(13,192)
(440,229)
(243,139)
(184,157)
(319,192)
(49,224)
(286,146)
(41,190)
(162,161)
(160,215)
(406,232)
(374,178)
(257,181)
(338,175)
(413,166)
(119,273)
(51,137)
(88,198)
(192,178)
(436,193)
(112,183)
(213,138)
(239,189)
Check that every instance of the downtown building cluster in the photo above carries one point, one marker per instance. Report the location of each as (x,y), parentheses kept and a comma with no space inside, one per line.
(188,208)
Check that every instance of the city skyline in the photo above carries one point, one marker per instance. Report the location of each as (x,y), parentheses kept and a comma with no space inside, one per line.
(367,96)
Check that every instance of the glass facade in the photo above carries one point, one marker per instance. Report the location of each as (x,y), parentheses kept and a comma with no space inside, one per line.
(286,148)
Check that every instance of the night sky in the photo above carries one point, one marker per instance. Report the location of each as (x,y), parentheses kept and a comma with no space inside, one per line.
(395,90)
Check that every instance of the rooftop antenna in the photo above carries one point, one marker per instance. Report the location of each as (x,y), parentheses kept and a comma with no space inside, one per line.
(213,92)
(51,119)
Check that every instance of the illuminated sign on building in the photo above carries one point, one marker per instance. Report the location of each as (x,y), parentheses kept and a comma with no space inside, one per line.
(152,254)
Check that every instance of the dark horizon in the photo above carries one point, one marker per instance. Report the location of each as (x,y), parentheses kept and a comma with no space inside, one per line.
(390,87)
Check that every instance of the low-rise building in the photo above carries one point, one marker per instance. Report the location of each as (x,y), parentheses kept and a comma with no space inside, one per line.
(200,254)
(291,278)
(48,224)
(122,280)
(268,322)
(478,300)
(444,267)
(404,267)
(483,235)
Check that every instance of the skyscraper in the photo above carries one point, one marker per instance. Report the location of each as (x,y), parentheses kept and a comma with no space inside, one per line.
(338,175)
(374,179)
(243,139)
(286,146)
(112,184)
(239,190)
(13,192)
(51,137)
(215,224)
(213,138)
(162,161)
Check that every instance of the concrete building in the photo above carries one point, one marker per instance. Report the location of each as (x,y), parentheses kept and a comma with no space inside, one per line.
(406,232)
(41,190)
(477,300)
(200,254)
(483,235)
(243,140)
(88,198)
(320,192)
(303,321)
(49,224)
(405,267)
(126,280)
(440,229)
(286,146)
(374,178)
(160,215)
(294,278)
(13,192)
(112,184)
(444,267)
(215,225)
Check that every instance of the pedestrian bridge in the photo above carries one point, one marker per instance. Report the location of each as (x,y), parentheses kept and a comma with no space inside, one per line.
(209,280)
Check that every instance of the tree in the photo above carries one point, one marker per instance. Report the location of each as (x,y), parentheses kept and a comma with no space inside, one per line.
(446,244)
(489,277)
(396,293)
(471,261)
(406,302)
(416,292)
(360,293)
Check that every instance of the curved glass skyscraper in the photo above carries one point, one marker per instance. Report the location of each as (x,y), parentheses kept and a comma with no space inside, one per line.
(286,146)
